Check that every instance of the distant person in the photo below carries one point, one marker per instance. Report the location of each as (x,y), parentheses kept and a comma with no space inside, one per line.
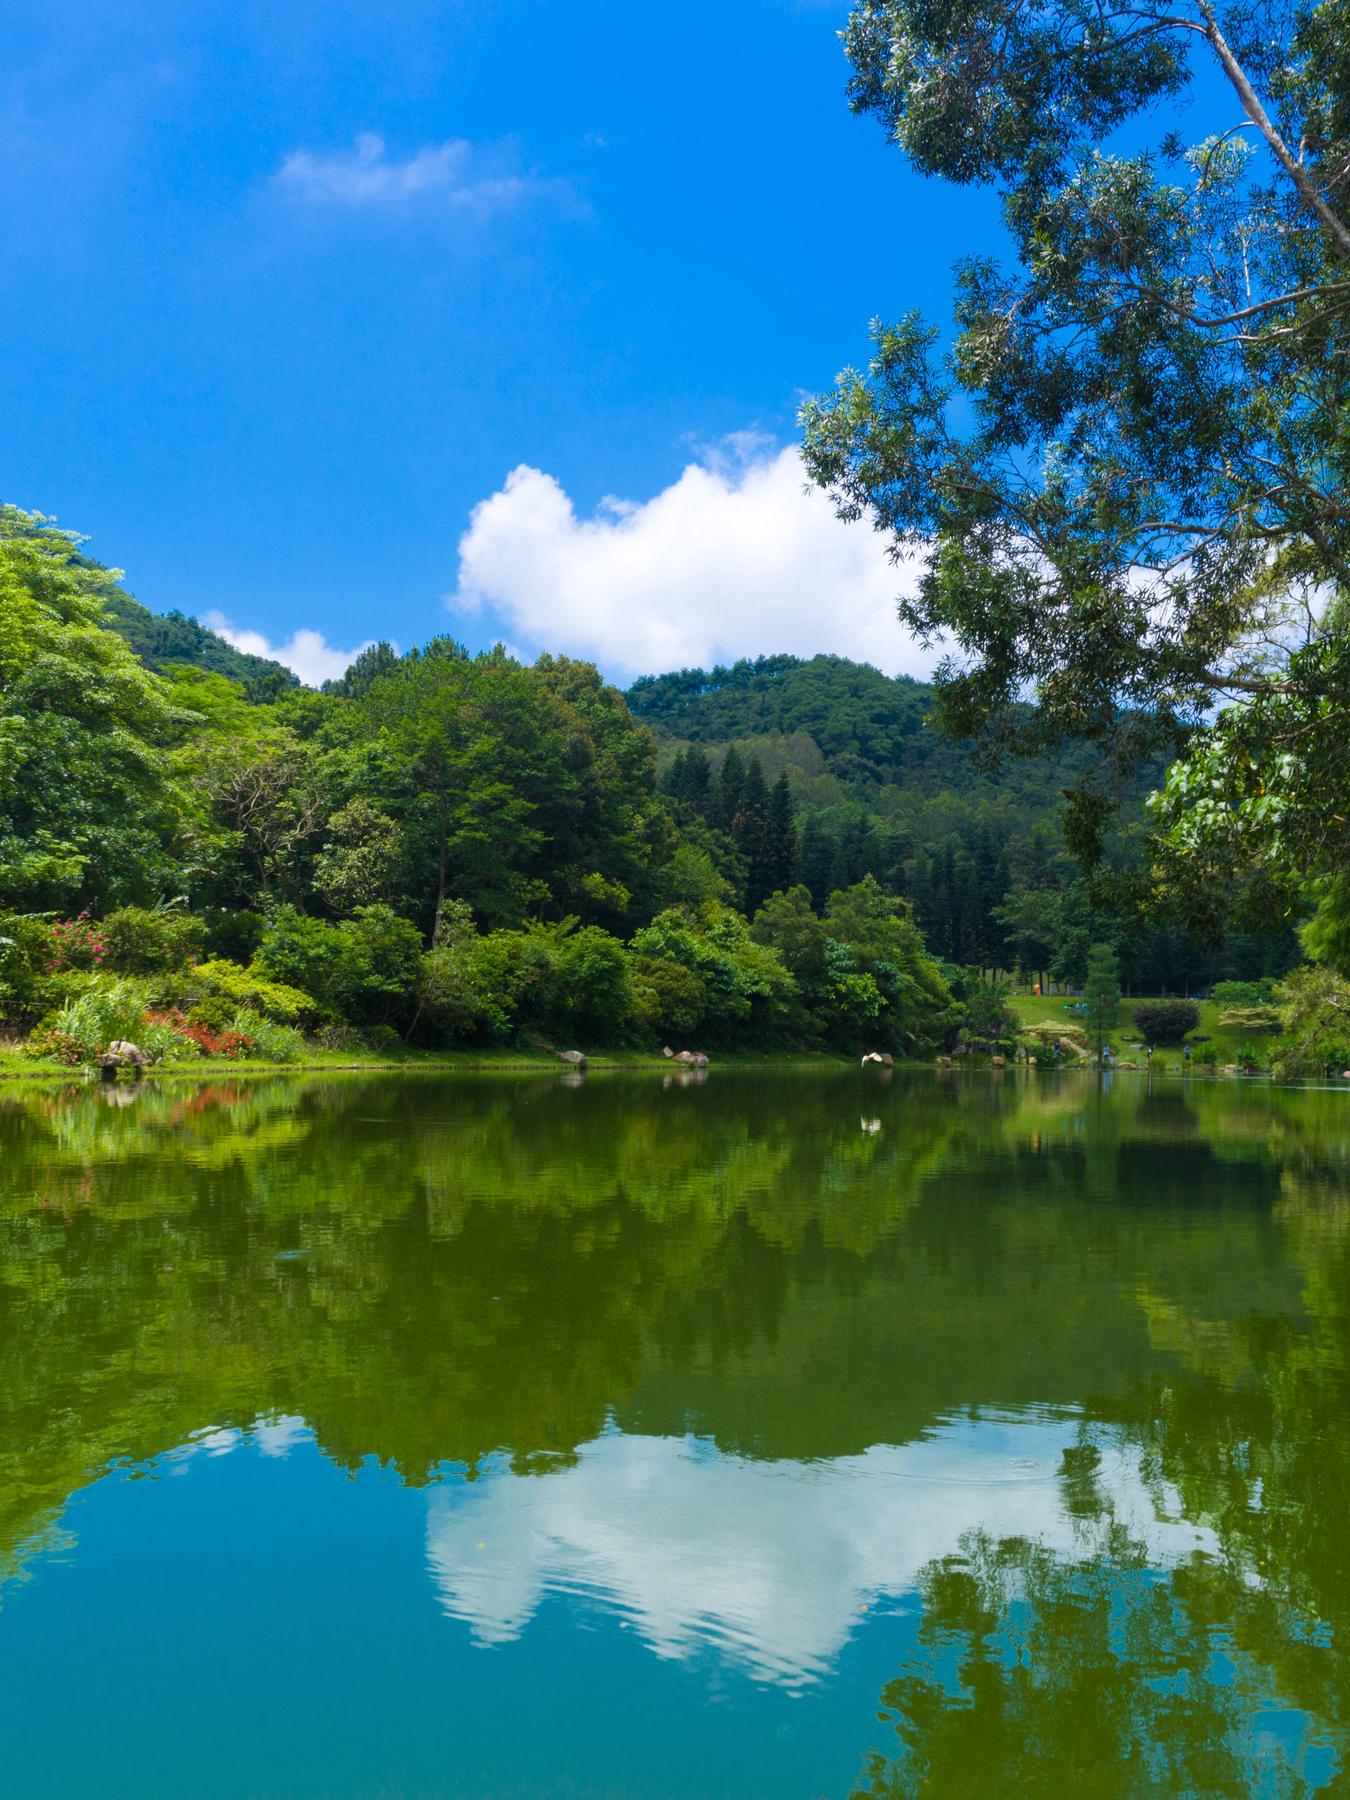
(1186,1054)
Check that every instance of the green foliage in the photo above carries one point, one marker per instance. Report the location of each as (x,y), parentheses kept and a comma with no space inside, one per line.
(888,947)
(989,1020)
(86,805)
(162,640)
(1243,993)
(468,983)
(749,993)
(1101,991)
(365,968)
(1250,1018)
(234,935)
(1166,1021)
(1316,1006)
(1127,478)
(110,1007)
(253,990)
(359,862)
(267,1041)
(26,956)
(142,941)
(669,999)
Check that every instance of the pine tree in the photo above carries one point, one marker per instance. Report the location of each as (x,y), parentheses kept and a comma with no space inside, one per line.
(730,781)
(1101,991)
(817,861)
(697,778)
(750,828)
(780,838)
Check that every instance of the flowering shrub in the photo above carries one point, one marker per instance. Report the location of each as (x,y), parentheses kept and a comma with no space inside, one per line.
(225,1042)
(77,944)
(48,1041)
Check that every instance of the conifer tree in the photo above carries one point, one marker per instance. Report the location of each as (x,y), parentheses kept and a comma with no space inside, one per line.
(730,781)
(780,838)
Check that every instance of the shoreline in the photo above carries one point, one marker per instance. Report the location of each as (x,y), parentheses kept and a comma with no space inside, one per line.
(16,1068)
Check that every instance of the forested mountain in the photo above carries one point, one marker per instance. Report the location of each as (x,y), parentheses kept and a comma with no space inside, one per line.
(160,639)
(976,845)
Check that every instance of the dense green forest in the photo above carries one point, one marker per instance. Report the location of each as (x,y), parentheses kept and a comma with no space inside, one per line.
(976,845)
(443,849)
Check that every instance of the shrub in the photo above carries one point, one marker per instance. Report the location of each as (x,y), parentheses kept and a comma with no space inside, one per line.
(229,1043)
(1251,1018)
(1242,993)
(235,936)
(141,942)
(26,955)
(162,1039)
(254,991)
(363,969)
(1166,1021)
(345,1038)
(110,1007)
(77,944)
(667,998)
(265,1040)
(47,1041)
(385,1041)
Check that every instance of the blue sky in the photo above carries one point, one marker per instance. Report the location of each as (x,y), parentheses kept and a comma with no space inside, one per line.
(291,290)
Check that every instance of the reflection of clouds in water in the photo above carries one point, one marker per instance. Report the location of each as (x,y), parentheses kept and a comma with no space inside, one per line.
(769,1561)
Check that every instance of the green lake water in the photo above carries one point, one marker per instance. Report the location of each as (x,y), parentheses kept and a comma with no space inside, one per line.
(782,1434)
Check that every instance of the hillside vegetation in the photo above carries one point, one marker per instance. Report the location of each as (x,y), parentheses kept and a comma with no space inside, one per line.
(451,850)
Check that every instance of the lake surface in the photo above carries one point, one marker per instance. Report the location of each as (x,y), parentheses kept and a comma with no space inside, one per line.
(775,1434)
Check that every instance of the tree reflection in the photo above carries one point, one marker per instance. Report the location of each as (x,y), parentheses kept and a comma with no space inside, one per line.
(1096,1677)
(433,1272)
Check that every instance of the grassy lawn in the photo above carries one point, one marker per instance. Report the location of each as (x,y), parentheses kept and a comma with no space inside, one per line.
(1032,1011)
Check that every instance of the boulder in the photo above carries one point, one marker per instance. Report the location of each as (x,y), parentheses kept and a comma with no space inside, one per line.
(998,1062)
(577,1058)
(691,1059)
(121,1055)
(880,1058)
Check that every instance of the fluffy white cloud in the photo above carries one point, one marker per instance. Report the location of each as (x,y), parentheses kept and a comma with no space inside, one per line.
(468,178)
(771,1563)
(735,558)
(307,652)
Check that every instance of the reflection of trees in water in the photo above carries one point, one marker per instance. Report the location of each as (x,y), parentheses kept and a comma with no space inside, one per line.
(1091,1677)
(498,1264)
(1098,1675)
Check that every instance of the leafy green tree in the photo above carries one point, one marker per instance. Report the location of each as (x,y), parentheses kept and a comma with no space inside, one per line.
(1127,478)
(86,802)
(989,1019)
(359,861)
(1315,1004)
(1101,992)
(887,946)
(367,969)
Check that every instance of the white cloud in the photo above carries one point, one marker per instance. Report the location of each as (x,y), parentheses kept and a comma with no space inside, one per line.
(468,178)
(736,558)
(771,1563)
(307,652)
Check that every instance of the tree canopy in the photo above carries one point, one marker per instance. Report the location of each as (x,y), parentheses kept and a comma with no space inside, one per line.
(1126,476)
